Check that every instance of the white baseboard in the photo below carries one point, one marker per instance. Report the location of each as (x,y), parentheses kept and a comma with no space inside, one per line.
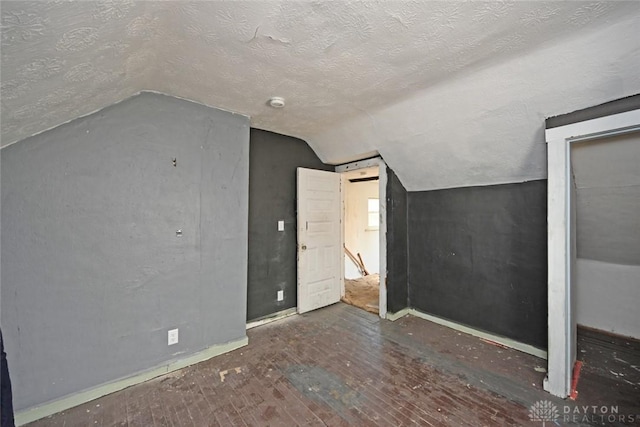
(507,342)
(273,317)
(32,414)
(398,314)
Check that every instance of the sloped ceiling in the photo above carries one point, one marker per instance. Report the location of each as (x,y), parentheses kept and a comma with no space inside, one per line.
(607,181)
(352,73)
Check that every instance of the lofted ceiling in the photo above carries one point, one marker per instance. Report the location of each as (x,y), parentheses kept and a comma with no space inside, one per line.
(353,73)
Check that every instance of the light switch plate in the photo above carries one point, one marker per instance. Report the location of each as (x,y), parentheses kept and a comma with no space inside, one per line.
(280,225)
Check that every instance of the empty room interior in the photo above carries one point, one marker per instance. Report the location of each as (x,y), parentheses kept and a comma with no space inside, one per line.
(320,213)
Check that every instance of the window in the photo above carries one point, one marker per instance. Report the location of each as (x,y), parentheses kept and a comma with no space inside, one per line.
(373,221)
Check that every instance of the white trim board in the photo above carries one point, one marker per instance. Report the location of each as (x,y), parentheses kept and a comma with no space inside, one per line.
(507,342)
(561,242)
(32,414)
(398,314)
(272,318)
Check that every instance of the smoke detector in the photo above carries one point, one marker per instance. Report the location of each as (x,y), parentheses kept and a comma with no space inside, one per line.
(276,102)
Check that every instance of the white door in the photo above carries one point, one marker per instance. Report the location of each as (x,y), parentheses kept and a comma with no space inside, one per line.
(319,239)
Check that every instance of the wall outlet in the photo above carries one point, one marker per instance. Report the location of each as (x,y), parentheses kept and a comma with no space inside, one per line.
(172,337)
(280,295)
(280,225)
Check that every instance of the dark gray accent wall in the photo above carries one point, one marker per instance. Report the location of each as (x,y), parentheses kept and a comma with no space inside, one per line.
(397,244)
(93,271)
(274,159)
(608,108)
(478,256)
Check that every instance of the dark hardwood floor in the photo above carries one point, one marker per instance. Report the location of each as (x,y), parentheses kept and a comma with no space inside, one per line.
(610,371)
(338,366)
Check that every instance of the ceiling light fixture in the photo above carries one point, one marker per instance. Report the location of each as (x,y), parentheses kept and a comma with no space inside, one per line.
(276,102)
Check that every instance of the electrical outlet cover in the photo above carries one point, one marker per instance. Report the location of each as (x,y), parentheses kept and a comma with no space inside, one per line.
(172,337)
(280,295)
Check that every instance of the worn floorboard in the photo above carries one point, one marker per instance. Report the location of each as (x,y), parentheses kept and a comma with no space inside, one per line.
(342,366)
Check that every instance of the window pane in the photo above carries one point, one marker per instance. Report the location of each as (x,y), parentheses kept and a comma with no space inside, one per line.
(374,211)
(374,219)
(374,205)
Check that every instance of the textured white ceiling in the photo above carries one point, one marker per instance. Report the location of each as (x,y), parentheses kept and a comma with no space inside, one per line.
(486,126)
(338,64)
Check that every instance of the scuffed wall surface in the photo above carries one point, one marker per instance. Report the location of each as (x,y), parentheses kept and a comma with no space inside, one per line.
(478,256)
(93,271)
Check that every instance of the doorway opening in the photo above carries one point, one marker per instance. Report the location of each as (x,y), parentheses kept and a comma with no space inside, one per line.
(606,182)
(562,253)
(362,239)
(364,228)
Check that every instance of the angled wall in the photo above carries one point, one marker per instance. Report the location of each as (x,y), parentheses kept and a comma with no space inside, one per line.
(274,159)
(94,270)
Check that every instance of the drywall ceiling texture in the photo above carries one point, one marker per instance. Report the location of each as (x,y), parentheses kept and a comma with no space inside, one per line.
(607,181)
(485,124)
(430,85)
(61,60)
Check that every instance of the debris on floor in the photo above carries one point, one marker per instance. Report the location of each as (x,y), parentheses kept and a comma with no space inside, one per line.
(224,373)
(363,292)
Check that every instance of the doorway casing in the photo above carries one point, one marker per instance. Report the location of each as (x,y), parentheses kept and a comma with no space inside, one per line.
(382,194)
(561,239)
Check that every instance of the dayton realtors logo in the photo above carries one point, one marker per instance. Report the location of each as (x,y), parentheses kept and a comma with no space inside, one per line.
(545,411)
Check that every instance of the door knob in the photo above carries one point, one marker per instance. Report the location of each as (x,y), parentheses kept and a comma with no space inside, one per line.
(303,247)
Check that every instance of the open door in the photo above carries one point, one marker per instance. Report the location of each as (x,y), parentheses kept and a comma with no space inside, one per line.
(319,239)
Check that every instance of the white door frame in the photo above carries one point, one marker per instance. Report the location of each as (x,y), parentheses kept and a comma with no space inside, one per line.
(382,195)
(561,239)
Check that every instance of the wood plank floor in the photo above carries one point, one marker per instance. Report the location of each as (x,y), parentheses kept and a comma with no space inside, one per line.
(338,366)
(610,370)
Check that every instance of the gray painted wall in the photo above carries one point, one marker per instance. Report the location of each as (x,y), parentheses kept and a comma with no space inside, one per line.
(478,256)
(607,182)
(607,297)
(397,244)
(274,159)
(93,274)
